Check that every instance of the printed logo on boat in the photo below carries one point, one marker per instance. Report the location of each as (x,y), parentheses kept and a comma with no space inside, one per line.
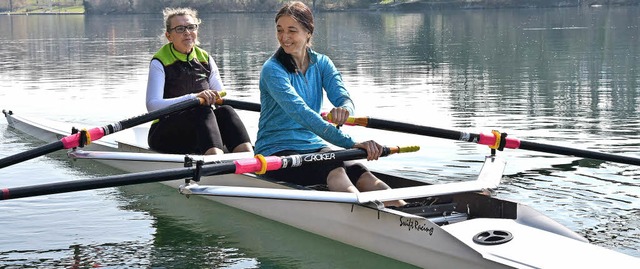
(414,224)
(319,157)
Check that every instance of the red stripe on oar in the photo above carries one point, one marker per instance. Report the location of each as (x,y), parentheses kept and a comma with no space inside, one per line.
(5,194)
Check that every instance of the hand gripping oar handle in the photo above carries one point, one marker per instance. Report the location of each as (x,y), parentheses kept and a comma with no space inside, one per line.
(238,167)
(73,140)
(491,140)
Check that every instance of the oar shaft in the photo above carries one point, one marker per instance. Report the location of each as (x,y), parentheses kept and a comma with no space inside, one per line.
(86,184)
(137,120)
(249,106)
(30,154)
(579,153)
(489,139)
(415,129)
(111,181)
(73,140)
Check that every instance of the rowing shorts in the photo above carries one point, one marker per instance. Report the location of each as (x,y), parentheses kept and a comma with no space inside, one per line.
(315,173)
(196,130)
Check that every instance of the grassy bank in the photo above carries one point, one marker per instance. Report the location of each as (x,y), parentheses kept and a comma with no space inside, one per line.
(47,10)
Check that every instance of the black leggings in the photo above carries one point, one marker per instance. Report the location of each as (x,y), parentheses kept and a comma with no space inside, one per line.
(316,173)
(196,130)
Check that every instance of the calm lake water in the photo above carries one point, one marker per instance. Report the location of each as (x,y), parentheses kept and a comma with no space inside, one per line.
(565,77)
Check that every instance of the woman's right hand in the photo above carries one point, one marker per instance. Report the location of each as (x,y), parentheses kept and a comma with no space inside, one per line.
(374,150)
(209,96)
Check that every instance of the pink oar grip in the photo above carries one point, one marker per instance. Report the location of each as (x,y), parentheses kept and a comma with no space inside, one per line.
(490,140)
(73,140)
(254,165)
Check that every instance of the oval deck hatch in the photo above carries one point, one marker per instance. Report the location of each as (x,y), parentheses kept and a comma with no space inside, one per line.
(492,237)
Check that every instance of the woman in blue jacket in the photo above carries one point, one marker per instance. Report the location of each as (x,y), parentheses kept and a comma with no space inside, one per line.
(292,84)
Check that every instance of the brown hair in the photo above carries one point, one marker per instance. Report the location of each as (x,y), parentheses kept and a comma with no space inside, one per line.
(303,15)
(300,13)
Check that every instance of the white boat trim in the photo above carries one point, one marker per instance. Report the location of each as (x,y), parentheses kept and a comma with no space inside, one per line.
(489,178)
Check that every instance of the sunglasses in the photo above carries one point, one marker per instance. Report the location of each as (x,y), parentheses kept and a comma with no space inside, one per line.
(182,28)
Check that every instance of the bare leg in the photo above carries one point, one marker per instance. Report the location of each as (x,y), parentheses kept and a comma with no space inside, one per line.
(214,151)
(369,182)
(337,180)
(244,147)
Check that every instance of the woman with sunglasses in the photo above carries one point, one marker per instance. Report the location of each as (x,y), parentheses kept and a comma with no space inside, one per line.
(181,70)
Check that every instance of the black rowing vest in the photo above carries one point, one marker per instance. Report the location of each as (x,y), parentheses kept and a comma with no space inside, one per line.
(184,73)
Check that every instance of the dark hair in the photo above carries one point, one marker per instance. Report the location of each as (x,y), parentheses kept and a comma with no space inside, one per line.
(299,12)
(303,15)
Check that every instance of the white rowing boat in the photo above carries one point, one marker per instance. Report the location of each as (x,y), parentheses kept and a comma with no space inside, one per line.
(456,225)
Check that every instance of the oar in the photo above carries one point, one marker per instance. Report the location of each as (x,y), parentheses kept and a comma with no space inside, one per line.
(74,140)
(494,140)
(258,164)
(249,106)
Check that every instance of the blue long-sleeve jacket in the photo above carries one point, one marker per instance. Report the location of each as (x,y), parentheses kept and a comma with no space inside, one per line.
(290,107)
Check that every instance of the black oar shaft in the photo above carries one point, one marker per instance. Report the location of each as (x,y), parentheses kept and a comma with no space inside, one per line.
(30,154)
(473,137)
(112,181)
(72,140)
(137,120)
(578,153)
(420,130)
(249,106)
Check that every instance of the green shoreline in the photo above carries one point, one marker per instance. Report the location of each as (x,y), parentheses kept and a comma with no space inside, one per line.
(391,6)
(40,13)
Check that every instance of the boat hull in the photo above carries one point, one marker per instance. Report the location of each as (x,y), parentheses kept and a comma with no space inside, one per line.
(535,241)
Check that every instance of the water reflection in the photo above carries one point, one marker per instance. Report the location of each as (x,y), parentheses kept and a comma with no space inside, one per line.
(558,76)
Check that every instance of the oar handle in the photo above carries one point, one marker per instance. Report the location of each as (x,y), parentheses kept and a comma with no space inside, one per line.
(351,121)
